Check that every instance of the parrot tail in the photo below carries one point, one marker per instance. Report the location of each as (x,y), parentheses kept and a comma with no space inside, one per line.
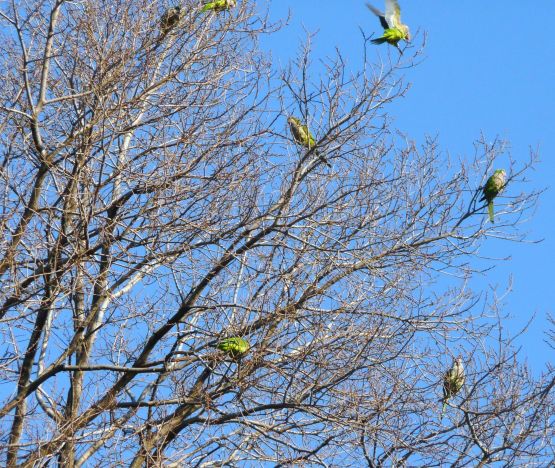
(208,6)
(322,158)
(490,211)
(379,40)
(444,408)
(325,161)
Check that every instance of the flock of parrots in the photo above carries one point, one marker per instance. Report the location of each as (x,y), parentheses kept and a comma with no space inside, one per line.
(394,31)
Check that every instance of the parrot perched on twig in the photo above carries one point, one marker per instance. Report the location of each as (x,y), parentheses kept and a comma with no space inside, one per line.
(452,382)
(494,185)
(219,5)
(235,347)
(394,30)
(303,137)
(170,19)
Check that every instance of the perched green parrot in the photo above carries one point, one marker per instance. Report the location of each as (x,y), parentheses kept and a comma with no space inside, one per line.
(234,347)
(303,137)
(219,5)
(494,185)
(394,30)
(452,382)
(170,19)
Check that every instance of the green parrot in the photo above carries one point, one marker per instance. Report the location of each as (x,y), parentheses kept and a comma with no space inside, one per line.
(219,5)
(394,30)
(494,185)
(170,19)
(234,347)
(303,137)
(452,382)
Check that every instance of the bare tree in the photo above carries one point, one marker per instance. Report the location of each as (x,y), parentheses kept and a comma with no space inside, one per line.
(154,203)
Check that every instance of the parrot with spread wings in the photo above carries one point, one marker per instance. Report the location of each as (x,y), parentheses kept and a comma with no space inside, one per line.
(394,29)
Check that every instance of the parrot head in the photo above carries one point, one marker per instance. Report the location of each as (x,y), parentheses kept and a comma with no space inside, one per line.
(406,32)
(293,121)
(501,177)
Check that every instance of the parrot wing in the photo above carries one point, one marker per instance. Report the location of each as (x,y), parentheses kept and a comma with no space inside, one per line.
(209,6)
(393,13)
(307,136)
(234,346)
(379,14)
(447,384)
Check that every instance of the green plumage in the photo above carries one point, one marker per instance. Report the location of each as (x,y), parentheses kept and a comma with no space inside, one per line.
(302,136)
(394,29)
(494,186)
(452,382)
(391,36)
(235,347)
(219,5)
(170,19)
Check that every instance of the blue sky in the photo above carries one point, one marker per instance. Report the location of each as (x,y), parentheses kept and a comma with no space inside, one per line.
(501,86)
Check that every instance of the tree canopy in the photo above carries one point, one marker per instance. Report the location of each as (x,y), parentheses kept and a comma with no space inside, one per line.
(154,204)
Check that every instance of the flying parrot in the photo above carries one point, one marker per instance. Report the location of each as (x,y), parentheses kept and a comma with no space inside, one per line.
(219,5)
(494,185)
(170,19)
(234,347)
(452,382)
(303,137)
(394,30)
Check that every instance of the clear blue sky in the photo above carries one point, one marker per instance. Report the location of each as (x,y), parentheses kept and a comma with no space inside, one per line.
(501,86)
